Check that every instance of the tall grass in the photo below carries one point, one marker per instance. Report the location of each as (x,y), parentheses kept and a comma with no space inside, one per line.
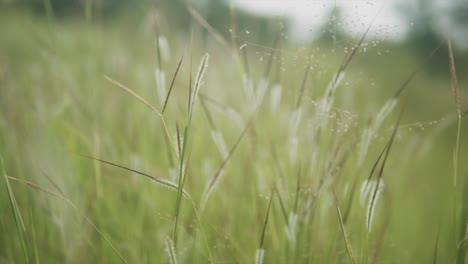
(460,252)
(260,150)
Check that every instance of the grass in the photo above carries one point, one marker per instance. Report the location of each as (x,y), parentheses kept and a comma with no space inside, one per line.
(460,251)
(16,213)
(266,143)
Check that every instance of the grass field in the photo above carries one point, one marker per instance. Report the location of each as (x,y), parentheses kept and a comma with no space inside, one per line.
(119,148)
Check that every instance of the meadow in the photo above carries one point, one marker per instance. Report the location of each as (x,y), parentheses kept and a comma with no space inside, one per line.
(127,142)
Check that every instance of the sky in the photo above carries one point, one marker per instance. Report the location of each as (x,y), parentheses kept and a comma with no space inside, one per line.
(308,16)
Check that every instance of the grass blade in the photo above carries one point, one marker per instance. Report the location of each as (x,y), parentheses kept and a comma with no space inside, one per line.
(376,163)
(179,144)
(198,82)
(208,27)
(190,80)
(225,161)
(387,148)
(172,84)
(16,213)
(282,205)
(453,78)
(347,59)
(298,189)
(160,181)
(261,251)
(303,85)
(343,229)
(456,95)
(141,99)
(215,179)
(416,71)
(33,232)
(205,239)
(130,91)
(170,251)
(54,184)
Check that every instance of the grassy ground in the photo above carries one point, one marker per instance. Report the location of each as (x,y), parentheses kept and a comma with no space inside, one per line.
(274,165)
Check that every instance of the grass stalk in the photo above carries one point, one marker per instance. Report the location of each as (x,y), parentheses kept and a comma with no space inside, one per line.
(183,169)
(261,249)
(205,239)
(405,84)
(33,233)
(348,58)
(462,246)
(170,251)
(218,37)
(456,150)
(303,85)
(387,149)
(282,205)
(215,179)
(16,213)
(342,225)
(141,99)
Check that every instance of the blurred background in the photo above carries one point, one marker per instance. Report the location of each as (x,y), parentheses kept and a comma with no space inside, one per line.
(417,26)
(414,21)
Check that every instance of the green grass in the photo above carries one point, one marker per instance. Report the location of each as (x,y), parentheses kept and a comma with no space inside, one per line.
(275,154)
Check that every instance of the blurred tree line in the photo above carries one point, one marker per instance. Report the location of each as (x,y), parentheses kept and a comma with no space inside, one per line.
(435,22)
(173,13)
